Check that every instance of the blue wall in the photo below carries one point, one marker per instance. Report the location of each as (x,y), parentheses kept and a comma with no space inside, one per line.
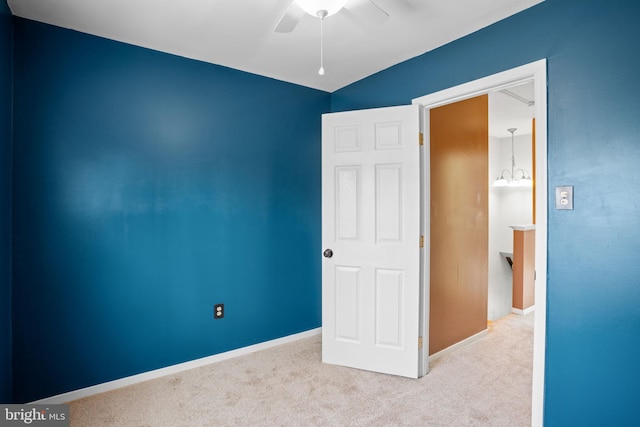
(6,69)
(147,188)
(593,319)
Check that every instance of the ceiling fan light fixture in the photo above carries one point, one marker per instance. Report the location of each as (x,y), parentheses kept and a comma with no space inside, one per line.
(313,7)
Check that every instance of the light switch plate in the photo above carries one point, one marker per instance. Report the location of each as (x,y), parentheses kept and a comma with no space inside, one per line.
(564,197)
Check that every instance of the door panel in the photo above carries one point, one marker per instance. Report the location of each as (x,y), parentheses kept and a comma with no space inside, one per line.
(389,307)
(347,302)
(348,200)
(371,222)
(389,203)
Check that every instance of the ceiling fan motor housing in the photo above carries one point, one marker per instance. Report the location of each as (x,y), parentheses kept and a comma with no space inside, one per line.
(321,7)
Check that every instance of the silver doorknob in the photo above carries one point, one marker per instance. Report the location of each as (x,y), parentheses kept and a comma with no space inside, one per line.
(328,253)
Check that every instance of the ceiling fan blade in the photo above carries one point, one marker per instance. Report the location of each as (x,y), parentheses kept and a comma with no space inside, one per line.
(290,18)
(368,11)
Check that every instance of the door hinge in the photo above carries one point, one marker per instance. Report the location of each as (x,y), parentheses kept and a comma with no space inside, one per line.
(422,241)
(421,138)
(419,343)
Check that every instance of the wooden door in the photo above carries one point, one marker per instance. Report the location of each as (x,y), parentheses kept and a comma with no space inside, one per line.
(459,136)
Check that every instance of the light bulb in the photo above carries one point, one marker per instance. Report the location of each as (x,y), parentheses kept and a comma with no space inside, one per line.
(500,182)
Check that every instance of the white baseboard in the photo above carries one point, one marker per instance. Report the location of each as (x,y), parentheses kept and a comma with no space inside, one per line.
(523,312)
(458,345)
(169,370)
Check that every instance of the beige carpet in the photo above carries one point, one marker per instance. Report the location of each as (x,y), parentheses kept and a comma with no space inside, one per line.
(487,383)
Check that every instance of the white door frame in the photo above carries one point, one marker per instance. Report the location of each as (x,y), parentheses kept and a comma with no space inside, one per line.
(536,71)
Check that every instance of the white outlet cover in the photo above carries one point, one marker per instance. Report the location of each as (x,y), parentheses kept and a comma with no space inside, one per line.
(564,197)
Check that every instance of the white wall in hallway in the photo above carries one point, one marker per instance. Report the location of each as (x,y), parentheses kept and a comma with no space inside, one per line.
(507,206)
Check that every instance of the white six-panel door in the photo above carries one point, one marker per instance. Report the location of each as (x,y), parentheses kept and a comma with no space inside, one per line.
(371,239)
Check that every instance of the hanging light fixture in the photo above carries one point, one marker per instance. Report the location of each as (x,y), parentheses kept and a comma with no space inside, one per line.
(321,9)
(516,177)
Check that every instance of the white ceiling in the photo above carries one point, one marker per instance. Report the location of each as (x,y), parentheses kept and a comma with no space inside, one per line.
(514,110)
(240,33)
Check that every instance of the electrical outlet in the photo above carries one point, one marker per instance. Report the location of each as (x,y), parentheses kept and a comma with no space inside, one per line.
(564,197)
(218,311)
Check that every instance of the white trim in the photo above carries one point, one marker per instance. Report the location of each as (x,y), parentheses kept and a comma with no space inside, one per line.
(536,71)
(523,312)
(169,370)
(425,229)
(458,345)
(481,86)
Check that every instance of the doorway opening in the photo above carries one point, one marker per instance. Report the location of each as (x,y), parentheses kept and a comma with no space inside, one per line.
(531,73)
(511,201)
